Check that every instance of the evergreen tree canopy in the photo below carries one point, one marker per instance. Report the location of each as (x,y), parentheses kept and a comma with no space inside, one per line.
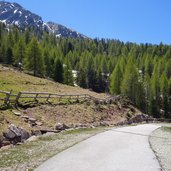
(58,71)
(34,58)
(116,80)
(141,72)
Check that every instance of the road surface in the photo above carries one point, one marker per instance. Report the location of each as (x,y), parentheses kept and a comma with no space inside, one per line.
(121,149)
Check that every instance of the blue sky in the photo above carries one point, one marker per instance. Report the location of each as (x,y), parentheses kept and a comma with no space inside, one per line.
(137,21)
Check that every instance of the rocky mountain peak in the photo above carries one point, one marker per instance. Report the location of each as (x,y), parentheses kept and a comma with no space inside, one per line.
(13,13)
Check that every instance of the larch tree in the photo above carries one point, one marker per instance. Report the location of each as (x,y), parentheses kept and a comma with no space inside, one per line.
(19,51)
(34,60)
(58,71)
(164,87)
(116,80)
(67,76)
(130,84)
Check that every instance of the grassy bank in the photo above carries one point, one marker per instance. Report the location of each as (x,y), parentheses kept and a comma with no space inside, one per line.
(31,154)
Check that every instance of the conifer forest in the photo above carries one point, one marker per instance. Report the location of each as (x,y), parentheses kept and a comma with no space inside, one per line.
(141,72)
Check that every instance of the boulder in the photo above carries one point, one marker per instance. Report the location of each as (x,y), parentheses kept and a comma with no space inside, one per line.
(15,130)
(24,134)
(15,134)
(9,135)
(61,126)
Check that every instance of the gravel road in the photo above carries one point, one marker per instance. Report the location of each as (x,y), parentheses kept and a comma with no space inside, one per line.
(160,141)
(121,149)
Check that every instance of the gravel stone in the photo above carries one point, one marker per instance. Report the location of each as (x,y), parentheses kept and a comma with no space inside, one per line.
(160,141)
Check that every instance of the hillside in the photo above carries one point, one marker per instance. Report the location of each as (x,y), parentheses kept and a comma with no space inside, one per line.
(85,114)
(19,81)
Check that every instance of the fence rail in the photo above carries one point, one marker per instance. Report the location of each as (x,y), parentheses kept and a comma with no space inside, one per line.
(8,97)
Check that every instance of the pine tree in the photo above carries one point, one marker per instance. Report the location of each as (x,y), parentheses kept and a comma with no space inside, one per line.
(82,78)
(16,34)
(10,40)
(34,60)
(27,36)
(140,96)
(155,93)
(164,94)
(2,53)
(99,83)
(115,80)
(19,51)
(48,63)
(104,65)
(129,86)
(168,68)
(1,32)
(147,88)
(148,66)
(68,77)
(90,73)
(9,56)
(58,71)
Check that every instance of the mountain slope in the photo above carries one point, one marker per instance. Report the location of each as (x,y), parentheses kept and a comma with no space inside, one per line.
(86,114)
(13,13)
(63,31)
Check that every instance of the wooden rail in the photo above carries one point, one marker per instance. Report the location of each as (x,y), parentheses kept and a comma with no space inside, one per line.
(8,97)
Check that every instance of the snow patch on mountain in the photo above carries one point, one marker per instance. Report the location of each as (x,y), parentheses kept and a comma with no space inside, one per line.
(13,13)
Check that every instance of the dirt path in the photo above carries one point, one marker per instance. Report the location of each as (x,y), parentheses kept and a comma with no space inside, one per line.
(119,149)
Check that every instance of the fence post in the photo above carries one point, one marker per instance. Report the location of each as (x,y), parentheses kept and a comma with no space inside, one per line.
(7,99)
(17,97)
(60,97)
(69,98)
(36,97)
(48,97)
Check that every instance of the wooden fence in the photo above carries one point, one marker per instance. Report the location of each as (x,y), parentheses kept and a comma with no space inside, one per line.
(9,97)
